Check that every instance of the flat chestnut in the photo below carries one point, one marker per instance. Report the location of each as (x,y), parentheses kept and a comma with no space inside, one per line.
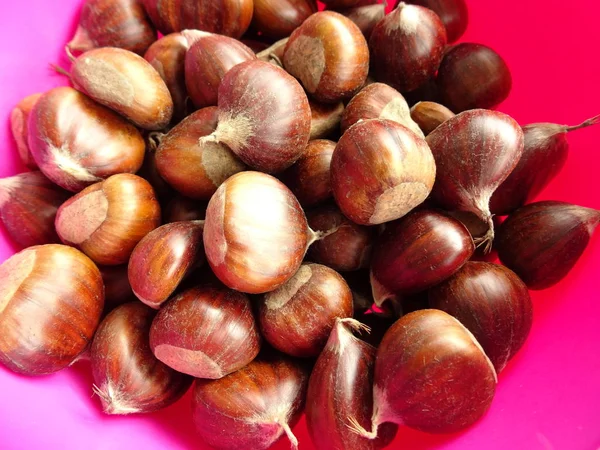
(18,126)
(380,171)
(277,19)
(453,13)
(329,55)
(108,219)
(207,332)
(51,299)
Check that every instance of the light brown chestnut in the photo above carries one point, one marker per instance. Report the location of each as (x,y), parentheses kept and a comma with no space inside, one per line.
(297,317)
(18,125)
(77,142)
(51,299)
(325,119)
(277,19)
(329,55)
(193,166)
(107,220)
(430,115)
(126,83)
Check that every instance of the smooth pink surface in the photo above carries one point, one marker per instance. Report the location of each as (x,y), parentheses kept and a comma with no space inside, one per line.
(548,397)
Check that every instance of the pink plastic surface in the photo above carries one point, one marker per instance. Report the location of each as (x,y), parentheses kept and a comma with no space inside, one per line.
(548,397)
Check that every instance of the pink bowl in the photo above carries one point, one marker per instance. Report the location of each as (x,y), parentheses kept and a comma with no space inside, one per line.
(548,397)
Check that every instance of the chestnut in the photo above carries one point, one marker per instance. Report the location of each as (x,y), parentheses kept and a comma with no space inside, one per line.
(228,17)
(182,209)
(407,47)
(418,252)
(493,303)
(429,115)
(309,177)
(342,245)
(264,116)
(277,19)
(379,101)
(208,59)
(107,220)
(325,118)
(28,205)
(128,378)
(18,126)
(117,290)
(287,315)
(473,76)
(329,55)
(431,375)
(126,83)
(365,17)
(207,332)
(163,258)
(380,170)
(149,170)
(52,298)
(453,13)
(113,23)
(253,407)
(274,53)
(255,233)
(77,142)
(193,166)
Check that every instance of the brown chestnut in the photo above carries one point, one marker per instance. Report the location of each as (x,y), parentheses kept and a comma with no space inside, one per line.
(365,17)
(277,19)
(126,83)
(207,332)
(453,13)
(163,258)
(182,209)
(297,317)
(128,378)
(108,219)
(473,76)
(407,47)
(228,17)
(18,125)
(255,233)
(51,299)
(309,177)
(379,101)
(264,116)
(329,55)
(380,170)
(28,205)
(342,245)
(325,118)
(193,166)
(253,407)
(77,142)
(430,115)
(149,170)
(493,303)
(117,290)
(113,23)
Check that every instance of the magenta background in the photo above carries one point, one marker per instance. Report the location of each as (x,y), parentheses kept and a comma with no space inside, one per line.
(548,397)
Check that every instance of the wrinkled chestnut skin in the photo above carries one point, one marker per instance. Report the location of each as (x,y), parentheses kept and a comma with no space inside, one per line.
(113,23)
(51,299)
(182,209)
(346,246)
(117,290)
(163,258)
(473,76)
(77,142)
(287,315)
(380,171)
(228,17)
(264,116)
(277,19)
(108,219)
(493,303)
(28,205)
(430,115)
(128,378)
(418,252)
(341,386)
(255,233)
(18,126)
(407,47)
(453,13)
(309,177)
(541,242)
(329,55)
(207,61)
(253,407)
(325,119)
(207,332)
(193,166)
(431,374)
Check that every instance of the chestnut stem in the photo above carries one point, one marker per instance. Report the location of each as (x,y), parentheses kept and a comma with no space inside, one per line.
(60,70)
(290,434)
(155,138)
(69,54)
(588,123)
(355,325)
(487,239)
(358,428)
(320,235)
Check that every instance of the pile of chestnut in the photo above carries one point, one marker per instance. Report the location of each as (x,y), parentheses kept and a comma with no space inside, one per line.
(242,204)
